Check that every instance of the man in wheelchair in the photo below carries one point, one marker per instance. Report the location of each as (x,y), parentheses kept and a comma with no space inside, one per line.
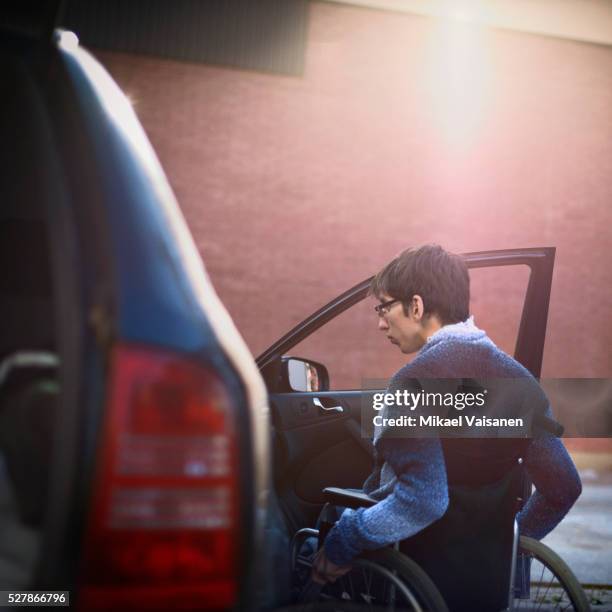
(450,502)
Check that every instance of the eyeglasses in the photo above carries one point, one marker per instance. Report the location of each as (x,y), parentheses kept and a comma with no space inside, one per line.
(383,308)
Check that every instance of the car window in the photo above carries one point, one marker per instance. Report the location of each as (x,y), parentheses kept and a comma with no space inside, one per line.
(357,354)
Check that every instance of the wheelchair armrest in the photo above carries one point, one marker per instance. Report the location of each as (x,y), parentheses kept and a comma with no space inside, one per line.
(348,498)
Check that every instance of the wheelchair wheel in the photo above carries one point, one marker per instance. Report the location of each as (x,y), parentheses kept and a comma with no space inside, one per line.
(553,586)
(381,580)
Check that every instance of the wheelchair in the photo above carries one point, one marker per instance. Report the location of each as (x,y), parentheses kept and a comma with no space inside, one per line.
(404,577)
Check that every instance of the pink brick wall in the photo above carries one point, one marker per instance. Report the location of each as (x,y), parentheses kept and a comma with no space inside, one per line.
(401,131)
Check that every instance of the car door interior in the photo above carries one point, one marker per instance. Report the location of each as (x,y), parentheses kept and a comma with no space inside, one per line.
(317,446)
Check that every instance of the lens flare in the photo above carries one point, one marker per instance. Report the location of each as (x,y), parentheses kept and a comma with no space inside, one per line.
(458,76)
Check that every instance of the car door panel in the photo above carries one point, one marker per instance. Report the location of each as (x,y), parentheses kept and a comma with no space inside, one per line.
(314,448)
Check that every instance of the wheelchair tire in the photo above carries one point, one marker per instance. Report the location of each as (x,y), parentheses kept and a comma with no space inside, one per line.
(555,585)
(422,595)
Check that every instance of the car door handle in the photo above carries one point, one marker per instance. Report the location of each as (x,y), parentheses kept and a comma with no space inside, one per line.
(317,402)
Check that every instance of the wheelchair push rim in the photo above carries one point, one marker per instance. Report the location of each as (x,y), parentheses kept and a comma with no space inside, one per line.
(553,586)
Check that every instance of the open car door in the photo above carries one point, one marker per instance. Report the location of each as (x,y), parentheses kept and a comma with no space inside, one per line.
(318,439)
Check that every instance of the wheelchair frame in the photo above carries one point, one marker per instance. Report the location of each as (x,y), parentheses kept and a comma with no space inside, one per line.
(556,566)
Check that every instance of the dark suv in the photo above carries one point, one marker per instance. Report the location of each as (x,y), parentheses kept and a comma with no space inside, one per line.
(133,419)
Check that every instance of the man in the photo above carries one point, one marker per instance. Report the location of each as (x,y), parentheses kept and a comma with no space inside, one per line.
(424,309)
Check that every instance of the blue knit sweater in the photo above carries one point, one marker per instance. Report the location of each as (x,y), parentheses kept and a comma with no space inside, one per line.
(412,484)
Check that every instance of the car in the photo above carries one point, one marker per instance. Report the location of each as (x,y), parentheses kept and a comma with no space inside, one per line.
(138,434)
(133,418)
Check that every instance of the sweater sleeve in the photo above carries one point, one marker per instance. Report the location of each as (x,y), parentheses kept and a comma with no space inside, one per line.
(419,498)
(557,487)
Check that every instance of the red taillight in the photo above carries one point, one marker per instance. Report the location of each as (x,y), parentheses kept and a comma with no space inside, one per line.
(162,533)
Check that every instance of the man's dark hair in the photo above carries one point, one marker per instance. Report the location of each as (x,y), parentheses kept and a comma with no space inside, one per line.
(439,277)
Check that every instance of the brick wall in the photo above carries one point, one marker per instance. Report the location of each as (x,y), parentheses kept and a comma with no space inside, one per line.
(402,130)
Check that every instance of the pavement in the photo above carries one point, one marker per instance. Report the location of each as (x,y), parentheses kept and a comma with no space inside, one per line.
(584,538)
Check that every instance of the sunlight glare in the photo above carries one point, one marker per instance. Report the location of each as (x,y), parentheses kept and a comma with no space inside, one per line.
(459,79)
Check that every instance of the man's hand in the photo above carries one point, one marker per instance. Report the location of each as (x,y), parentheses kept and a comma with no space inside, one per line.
(323,570)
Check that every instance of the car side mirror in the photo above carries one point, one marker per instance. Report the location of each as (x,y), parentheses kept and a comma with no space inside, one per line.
(304,375)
